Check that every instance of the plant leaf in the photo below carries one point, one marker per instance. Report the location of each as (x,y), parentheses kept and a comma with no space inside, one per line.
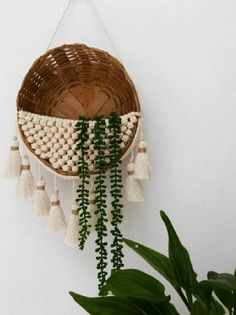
(158,261)
(179,258)
(234,297)
(225,296)
(122,306)
(204,294)
(216,307)
(106,305)
(223,281)
(152,308)
(135,283)
(201,309)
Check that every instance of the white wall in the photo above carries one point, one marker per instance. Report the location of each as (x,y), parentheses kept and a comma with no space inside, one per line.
(182,56)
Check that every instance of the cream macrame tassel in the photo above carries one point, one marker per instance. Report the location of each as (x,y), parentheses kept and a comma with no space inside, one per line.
(92,204)
(56,219)
(72,231)
(13,166)
(40,203)
(142,168)
(25,185)
(133,187)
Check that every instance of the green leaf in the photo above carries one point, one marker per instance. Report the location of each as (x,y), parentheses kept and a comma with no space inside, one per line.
(225,296)
(201,309)
(234,297)
(159,262)
(135,283)
(224,281)
(211,274)
(179,258)
(152,308)
(106,305)
(216,307)
(123,306)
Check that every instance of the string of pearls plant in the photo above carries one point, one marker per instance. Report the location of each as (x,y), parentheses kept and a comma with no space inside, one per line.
(116,190)
(82,191)
(113,129)
(100,192)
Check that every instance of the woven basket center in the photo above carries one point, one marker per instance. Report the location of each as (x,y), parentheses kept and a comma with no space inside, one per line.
(88,101)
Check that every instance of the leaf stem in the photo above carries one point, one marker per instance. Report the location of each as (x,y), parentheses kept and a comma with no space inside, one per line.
(184,299)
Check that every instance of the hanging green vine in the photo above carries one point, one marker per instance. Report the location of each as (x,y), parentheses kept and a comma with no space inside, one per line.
(116,189)
(100,192)
(82,191)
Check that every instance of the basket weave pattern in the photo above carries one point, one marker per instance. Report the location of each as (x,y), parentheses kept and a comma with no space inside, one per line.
(75,80)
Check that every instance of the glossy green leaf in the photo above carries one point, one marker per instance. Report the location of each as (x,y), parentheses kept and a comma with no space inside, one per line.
(234,297)
(179,258)
(135,283)
(225,296)
(201,309)
(152,308)
(123,306)
(106,305)
(158,261)
(204,294)
(216,307)
(223,281)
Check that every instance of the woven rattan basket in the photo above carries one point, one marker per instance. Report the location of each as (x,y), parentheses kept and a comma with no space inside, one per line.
(75,80)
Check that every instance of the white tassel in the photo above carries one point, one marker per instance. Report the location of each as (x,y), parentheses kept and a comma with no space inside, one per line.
(72,232)
(142,168)
(133,186)
(40,203)
(25,185)
(56,219)
(13,166)
(92,205)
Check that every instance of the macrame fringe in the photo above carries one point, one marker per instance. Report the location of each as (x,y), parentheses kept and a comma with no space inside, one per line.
(133,190)
(72,231)
(13,165)
(56,219)
(142,168)
(40,203)
(92,204)
(25,185)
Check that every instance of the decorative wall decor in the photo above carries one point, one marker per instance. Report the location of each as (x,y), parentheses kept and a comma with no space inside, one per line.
(78,115)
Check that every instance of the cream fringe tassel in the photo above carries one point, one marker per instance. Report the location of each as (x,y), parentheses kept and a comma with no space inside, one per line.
(40,203)
(56,219)
(13,165)
(25,185)
(133,187)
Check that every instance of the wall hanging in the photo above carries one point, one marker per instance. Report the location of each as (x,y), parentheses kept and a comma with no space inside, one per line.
(78,115)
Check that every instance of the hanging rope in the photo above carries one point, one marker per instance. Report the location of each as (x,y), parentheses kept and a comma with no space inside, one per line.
(104,28)
(99,19)
(59,23)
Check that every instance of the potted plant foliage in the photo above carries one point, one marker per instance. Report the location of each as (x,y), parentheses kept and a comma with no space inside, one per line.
(133,292)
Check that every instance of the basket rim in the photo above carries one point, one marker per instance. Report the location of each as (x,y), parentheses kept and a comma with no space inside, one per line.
(48,52)
(132,93)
